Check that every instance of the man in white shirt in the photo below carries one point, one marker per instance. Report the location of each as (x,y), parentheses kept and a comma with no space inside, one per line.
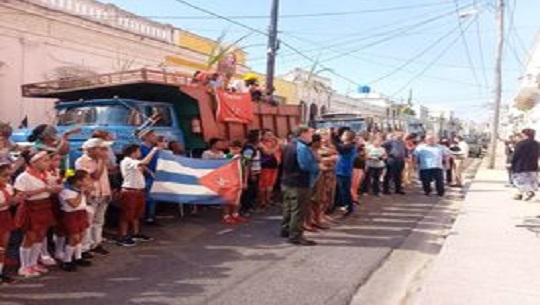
(460,160)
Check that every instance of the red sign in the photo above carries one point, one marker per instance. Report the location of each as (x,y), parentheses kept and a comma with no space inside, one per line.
(226,181)
(234,107)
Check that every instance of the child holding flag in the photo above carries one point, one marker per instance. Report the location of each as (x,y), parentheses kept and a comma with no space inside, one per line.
(133,195)
(231,210)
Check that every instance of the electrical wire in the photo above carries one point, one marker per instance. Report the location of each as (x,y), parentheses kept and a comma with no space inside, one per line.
(430,65)
(285,16)
(465,44)
(415,57)
(361,37)
(480,48)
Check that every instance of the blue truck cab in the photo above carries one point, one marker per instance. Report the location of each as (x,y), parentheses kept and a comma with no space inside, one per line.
(123,103)
(120,117)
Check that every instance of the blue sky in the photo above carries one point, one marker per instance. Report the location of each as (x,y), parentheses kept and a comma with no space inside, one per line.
(390,45)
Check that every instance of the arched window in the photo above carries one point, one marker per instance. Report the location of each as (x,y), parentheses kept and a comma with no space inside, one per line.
(313,112)
(303,111)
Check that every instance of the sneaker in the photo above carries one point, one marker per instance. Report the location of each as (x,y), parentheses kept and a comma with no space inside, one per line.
(240,219)
(284,234)
(87,255)
(5,280)
(47,261)
(141,237)
(39,268)
(228,220)
(126,242)
(83,262)
(528,196)
(400,193)
(100,250)
(69,267)
(28,272)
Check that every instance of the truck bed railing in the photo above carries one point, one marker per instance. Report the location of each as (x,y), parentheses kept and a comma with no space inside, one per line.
(48,88)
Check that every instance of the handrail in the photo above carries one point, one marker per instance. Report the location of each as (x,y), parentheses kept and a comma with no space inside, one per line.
(108,79)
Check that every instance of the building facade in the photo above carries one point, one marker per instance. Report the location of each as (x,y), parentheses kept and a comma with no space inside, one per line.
(314,92)
(42,40)
(525,110)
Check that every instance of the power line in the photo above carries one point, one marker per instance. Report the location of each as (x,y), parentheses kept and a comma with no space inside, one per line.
(264,34)
(509,43)
(452,43)
(415,57)
(195,7)
(397,33)
(480,48)
(465,44)
(285,16)
(362,37)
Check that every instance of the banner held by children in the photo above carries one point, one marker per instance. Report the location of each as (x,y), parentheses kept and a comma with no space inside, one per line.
(196,181)
(234,107)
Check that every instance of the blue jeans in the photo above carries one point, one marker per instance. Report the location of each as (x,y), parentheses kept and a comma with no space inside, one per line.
(150,211)
(344,190)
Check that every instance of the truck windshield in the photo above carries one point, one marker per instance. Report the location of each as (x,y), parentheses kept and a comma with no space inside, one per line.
(355,125)
(98,114)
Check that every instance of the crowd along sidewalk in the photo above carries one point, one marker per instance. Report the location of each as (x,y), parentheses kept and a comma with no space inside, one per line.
(492,253)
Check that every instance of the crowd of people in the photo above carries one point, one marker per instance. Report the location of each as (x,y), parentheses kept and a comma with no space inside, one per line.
(312,173)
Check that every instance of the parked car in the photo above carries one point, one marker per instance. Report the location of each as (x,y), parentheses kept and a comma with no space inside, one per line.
(477,146)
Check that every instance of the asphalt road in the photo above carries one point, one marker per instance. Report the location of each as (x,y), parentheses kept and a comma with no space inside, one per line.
(198,260)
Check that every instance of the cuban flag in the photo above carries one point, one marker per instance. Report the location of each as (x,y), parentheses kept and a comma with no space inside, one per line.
(197,181)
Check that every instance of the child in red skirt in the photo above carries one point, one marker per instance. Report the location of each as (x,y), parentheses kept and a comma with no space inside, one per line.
(6,221)
(54,179)
(133,196)
(35,215)
(74,218)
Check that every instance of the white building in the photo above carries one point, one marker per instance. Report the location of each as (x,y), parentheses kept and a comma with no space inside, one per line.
(314,92)
(526,112)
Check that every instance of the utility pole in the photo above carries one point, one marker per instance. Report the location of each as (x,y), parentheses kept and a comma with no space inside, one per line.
(498,85)
(272,47)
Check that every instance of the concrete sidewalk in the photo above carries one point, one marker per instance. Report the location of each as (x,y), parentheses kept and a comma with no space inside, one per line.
(492,255)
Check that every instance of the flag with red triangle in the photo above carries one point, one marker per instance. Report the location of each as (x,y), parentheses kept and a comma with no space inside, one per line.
(226,181)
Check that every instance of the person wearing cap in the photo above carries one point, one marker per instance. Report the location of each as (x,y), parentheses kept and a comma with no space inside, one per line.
(94,161)
(45,137)
(149,140)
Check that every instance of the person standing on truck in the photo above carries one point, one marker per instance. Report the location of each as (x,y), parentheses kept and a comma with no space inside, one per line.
(252,157)
(95,161)
(300,172)
(149,140)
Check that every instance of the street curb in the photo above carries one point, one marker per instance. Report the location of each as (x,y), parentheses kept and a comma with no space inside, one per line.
(401,273)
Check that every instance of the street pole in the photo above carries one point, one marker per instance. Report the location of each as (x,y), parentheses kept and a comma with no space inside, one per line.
(498,85)
(272,47)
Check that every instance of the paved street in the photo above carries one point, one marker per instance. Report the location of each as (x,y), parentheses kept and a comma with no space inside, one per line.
(197,260)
